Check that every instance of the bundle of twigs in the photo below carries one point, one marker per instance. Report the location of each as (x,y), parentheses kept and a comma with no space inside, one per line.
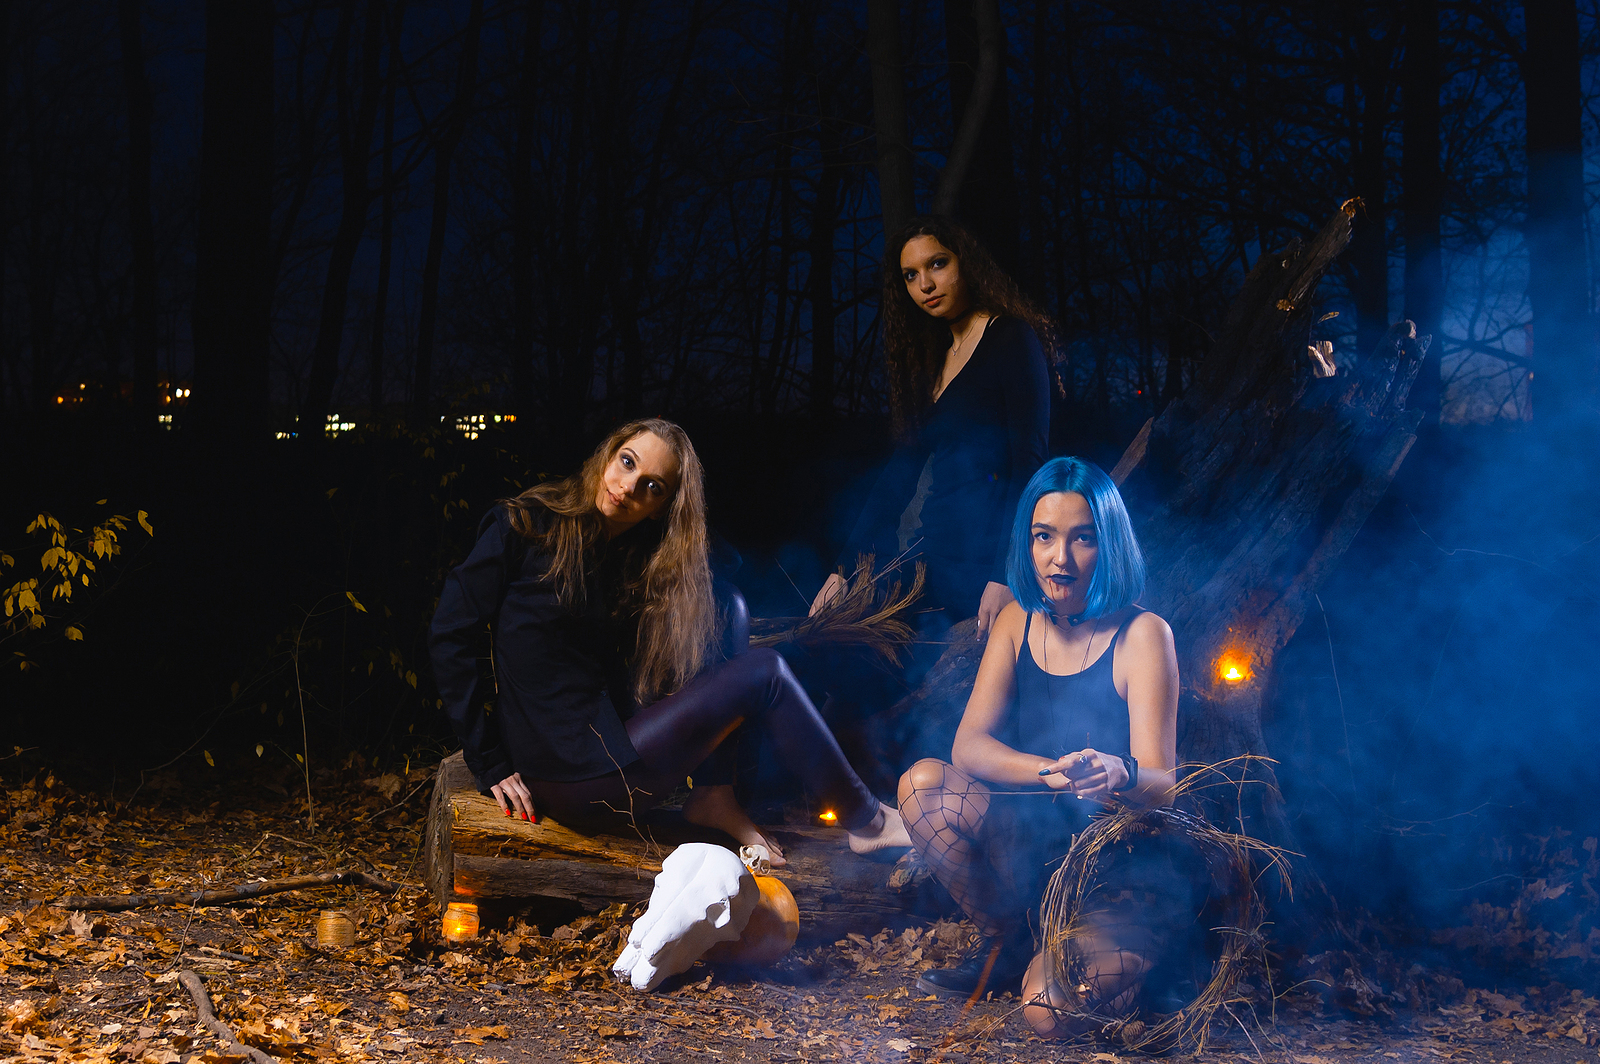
(1234,862)
(867,613)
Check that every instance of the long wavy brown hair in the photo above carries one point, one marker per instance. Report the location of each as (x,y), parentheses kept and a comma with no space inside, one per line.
(915,342)
(667,580)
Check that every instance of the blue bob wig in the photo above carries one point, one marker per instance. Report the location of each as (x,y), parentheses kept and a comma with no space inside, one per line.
(1118,578)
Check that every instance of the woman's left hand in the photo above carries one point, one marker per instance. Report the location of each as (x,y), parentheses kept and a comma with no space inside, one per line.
(996,597)
(1089,773)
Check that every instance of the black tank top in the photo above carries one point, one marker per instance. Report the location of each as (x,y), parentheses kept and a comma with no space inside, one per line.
(1059,714)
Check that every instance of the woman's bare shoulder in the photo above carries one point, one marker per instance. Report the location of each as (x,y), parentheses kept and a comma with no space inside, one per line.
(1148,632)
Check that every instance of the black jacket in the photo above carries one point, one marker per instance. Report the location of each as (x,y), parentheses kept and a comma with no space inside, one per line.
(561,671)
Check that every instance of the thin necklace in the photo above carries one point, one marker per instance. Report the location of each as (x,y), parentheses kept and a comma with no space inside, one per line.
(1084,664)
(955,350)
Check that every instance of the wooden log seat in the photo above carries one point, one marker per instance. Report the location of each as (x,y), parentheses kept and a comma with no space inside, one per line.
(473,851)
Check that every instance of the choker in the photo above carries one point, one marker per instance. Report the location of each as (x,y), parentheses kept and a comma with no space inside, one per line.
(1074,620)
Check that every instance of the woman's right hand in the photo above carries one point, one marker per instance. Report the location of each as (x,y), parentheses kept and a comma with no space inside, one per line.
(514,797)
(831,587)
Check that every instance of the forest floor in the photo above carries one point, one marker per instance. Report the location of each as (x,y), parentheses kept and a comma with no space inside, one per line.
(104,986)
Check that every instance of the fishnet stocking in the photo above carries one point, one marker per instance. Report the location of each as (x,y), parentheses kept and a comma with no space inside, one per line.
(1103,963)
(944,810)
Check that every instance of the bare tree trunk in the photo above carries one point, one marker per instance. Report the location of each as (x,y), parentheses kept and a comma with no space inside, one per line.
(1558,268)
(356,121)
(233,239)
(141,227)
(443,153)
(610,183)
(380,307)
(819,285)
(569,392)
(896,185)
(979,182)
(1422,185)
(1044,101)
(1369,255)
(625,301)
(522,211)
(8,361)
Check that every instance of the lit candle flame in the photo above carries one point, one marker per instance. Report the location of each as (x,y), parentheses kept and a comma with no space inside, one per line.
(461,922)
(829,817)
(1233,673)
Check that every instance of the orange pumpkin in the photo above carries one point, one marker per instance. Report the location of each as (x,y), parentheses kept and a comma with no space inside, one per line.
(773,927)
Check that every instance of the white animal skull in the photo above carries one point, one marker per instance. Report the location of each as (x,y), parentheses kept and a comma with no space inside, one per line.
(703,895)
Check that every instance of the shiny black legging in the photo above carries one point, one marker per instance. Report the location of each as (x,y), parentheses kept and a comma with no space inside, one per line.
(678,734)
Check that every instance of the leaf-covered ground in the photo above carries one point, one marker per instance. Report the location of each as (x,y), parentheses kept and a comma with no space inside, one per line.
(104,986)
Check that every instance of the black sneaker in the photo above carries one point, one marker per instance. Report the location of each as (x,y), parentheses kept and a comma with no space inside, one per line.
(960,980)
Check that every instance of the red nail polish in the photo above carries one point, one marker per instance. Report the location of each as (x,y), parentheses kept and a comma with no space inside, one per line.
(527,818)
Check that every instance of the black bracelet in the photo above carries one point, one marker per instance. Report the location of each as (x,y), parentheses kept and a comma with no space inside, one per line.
(1130,763)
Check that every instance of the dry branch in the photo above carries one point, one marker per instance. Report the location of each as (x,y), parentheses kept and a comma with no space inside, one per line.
(208,1017)
(242,892)
(861,615)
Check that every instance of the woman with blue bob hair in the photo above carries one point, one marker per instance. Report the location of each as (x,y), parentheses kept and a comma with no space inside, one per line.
(1074,709)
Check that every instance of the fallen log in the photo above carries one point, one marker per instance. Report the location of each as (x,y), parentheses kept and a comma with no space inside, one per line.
(472,851)
(112,903)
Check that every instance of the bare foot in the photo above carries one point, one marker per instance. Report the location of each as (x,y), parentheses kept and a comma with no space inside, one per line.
(716,807)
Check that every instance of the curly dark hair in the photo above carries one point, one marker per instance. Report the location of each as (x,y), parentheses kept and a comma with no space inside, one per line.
(915,343)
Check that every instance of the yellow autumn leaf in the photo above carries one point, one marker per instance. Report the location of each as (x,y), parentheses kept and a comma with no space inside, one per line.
(144,523)
(351,595)
(101,502)
(411,678)
(260,749)
(73,633)
(209,759)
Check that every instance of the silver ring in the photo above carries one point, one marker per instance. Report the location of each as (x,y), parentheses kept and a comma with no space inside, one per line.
(1083,759)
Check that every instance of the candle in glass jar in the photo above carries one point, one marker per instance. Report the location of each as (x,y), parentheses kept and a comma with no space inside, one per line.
(461,921)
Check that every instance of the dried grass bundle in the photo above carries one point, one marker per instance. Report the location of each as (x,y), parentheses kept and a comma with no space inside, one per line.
(862,615)
(1235,863)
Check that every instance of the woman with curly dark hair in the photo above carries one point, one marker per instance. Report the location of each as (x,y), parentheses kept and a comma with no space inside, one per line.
(969,390)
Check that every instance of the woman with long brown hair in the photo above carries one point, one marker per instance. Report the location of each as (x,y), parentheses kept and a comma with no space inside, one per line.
(970,394)
(605,695)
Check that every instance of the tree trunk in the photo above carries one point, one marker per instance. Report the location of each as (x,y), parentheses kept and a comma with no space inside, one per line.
(8,359)
(979,182)
(1422,184)
(380,302)
(570,381)
(355,123)
(522,217)
(1558,269)
(443,153)
(233,239)
(1369,254)
(896,183)
(141,227)
(819,285)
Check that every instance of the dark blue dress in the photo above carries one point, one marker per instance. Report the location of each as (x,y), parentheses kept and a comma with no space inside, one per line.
(976,448)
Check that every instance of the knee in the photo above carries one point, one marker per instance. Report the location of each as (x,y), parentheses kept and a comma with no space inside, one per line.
(1041,1003)
(762,672)
(927,775)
